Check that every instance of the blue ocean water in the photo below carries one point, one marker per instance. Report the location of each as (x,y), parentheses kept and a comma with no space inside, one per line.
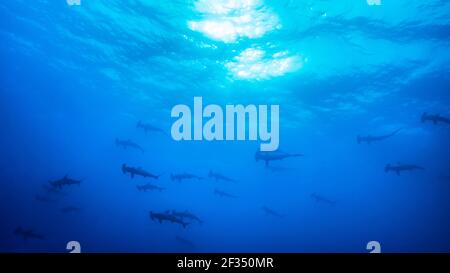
(74,78)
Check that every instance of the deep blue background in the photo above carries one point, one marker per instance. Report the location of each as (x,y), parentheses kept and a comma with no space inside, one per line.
(74,78)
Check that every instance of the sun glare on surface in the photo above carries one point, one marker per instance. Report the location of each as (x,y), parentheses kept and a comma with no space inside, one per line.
(230,20)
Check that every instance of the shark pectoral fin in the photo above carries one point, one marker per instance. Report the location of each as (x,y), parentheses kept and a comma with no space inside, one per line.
(160,221)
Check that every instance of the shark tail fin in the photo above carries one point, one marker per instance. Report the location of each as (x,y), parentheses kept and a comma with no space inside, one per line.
(124,168)
(18,231)
(397,131)
(164,133)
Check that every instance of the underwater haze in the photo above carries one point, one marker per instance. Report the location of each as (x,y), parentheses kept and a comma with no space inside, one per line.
(86,152)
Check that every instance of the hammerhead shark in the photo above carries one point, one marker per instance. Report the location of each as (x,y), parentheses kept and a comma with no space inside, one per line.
(147,127)
(186,214)
(401,168)
(223,194)
(272,156)
(69,209)
(183,176)
(320,199)
(28,234)
(65,181)
(271,212)
(128,144)
(218,176)
(137,171)
(369,139)
(435,118)
(160,217)
(149,187)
